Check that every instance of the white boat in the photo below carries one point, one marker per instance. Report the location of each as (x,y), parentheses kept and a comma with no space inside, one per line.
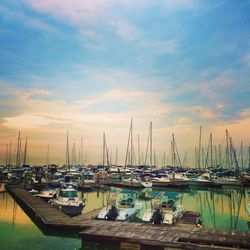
(248,209)
(170,210)
(227,181)
(137,182)
(127,207)
(46,194)
(160,181)
(68,202)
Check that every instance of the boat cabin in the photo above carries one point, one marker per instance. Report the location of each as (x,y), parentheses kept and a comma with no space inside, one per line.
(128,202)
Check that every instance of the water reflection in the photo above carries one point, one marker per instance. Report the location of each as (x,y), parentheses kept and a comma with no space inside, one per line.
(220,209)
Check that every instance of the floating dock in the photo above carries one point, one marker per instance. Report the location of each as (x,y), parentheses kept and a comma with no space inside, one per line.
(127,235)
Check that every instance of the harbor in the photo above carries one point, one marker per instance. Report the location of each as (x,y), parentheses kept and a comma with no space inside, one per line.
(183,235)
(124,125)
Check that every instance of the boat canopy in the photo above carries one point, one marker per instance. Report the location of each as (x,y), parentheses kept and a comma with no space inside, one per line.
(68,193)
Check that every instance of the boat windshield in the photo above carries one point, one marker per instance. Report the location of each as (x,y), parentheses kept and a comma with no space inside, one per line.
(168,204)
(68,194)
(126,203)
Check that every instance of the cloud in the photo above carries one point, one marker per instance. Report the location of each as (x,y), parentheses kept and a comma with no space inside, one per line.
(124,29)
(29,21)
(26,121)
(220,105)
(76,12)
(247,59)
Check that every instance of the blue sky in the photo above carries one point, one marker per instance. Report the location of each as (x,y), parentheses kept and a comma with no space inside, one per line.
(88,66)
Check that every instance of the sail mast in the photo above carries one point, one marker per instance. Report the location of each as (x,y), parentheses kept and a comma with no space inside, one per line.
(199,153)
(25,151)
(67,153)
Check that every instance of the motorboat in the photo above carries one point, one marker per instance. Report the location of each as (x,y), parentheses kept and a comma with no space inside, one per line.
(126,205)
(137,182)
(127,208)
(46,194)
(68,202)
(169,208)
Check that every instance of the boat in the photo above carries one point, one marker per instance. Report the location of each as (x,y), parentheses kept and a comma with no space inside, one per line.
(136,182)
(68,202)
(126,205)
(170,210)
(227,181)
(46,194)
(248,209)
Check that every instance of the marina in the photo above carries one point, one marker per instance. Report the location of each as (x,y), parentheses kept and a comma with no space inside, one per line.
(182,235)
(124,125)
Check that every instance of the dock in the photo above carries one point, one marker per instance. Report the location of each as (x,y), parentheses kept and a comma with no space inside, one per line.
(130,235)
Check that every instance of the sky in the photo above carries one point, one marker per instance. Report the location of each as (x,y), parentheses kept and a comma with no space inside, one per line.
(88,67)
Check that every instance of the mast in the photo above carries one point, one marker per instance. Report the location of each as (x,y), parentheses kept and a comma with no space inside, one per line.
(151,144)
(154,159)
(18,150)
(67,153)
(116,155)
(199,152)
(128,144)
(203,157)
(7,154)
(248,157)
(25,151)
(81,151)
(174,156)
(9,159)
(211,149)
(216,156)
(227,151)
(139,157)
(176,152)
(103,150)
(73,156)
(220,155)
(131,143)
(241,153)
(47,158)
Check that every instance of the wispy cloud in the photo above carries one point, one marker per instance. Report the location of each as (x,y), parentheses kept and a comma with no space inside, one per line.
(76,12)
(30,21)
(124,29)
(246,59)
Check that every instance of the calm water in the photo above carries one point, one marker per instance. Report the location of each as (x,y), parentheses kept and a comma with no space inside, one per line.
(220,209)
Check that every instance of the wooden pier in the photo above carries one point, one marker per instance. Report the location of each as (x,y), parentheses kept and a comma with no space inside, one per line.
(128,235)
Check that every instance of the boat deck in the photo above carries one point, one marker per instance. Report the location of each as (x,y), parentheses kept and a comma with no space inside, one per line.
(183,235)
